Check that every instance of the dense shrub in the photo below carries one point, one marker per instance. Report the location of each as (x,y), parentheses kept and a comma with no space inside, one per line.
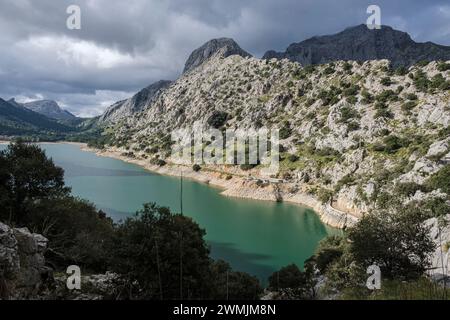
(403,250)
(324,195)
(440,180)
(348,113)
(232,285)
(217,119)
(285,130)
(386,81)
(408,189)
(442,66)
(408,106)
(28,177)
(421,81)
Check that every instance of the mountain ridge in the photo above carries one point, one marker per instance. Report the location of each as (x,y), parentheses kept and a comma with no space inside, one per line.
(359,43)
(49,108)
(136,103)
(17,120)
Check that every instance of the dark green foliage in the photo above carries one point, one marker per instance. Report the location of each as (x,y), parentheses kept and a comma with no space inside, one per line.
(408,106)
(439,82)
(408,189)
(422,63)
(149,250)
(421,81)
(33,194)
(384,113)
(367,97)
(348,113)
(329,70)
(29,177)
(217,119)
(330,249)
(442,66)
(330,97)
(392,144)
(324,195)
(411,96)
(196,167)
(227,284)
(401,71)
(347,180)
(440,180)
(386,81)
(353,125)
(293,158)
(301,283)
(287,277)
(285,130)
(246,167)
(159,162)
(78,233)
(398,243)
(351,90)
(352,100)
(347,66)
(386,96)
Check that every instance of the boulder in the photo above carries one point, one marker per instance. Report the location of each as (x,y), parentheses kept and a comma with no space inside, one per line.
(22,263)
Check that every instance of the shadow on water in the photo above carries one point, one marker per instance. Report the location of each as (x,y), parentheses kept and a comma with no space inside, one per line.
(242,261)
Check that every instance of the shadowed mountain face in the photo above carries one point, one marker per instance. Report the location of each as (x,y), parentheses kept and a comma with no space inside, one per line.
(50,109)
(16,120)
(361,44)
(223,46)
(135,104)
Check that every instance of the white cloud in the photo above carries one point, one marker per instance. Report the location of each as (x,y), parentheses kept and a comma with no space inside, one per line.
(75,52)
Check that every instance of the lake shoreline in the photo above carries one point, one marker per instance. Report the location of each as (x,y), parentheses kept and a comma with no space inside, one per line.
(238,186)
(235,184)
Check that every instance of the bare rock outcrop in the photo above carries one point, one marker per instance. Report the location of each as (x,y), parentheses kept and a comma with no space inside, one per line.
(23,272)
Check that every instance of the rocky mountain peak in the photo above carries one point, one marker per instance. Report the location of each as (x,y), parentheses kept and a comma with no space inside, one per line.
(223,46)
(360,43)
(50,109)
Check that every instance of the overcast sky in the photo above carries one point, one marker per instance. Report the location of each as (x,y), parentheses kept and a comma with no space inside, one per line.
(124,46)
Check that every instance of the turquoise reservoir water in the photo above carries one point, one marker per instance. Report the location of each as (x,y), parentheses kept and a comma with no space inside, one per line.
(257,237)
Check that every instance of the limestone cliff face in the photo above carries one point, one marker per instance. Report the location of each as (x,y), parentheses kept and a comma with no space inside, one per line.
(440,234)
(135,104)
(22,264)
(361,44)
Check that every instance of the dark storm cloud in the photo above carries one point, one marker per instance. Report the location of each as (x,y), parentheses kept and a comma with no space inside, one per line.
(126,45)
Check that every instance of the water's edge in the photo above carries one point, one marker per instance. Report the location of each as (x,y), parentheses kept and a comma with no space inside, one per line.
(237,187)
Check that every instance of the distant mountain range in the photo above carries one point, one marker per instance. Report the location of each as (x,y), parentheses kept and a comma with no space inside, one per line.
(15,119)
(361,44)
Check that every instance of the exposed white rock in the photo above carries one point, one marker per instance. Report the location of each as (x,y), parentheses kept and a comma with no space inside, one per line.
(440,234)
